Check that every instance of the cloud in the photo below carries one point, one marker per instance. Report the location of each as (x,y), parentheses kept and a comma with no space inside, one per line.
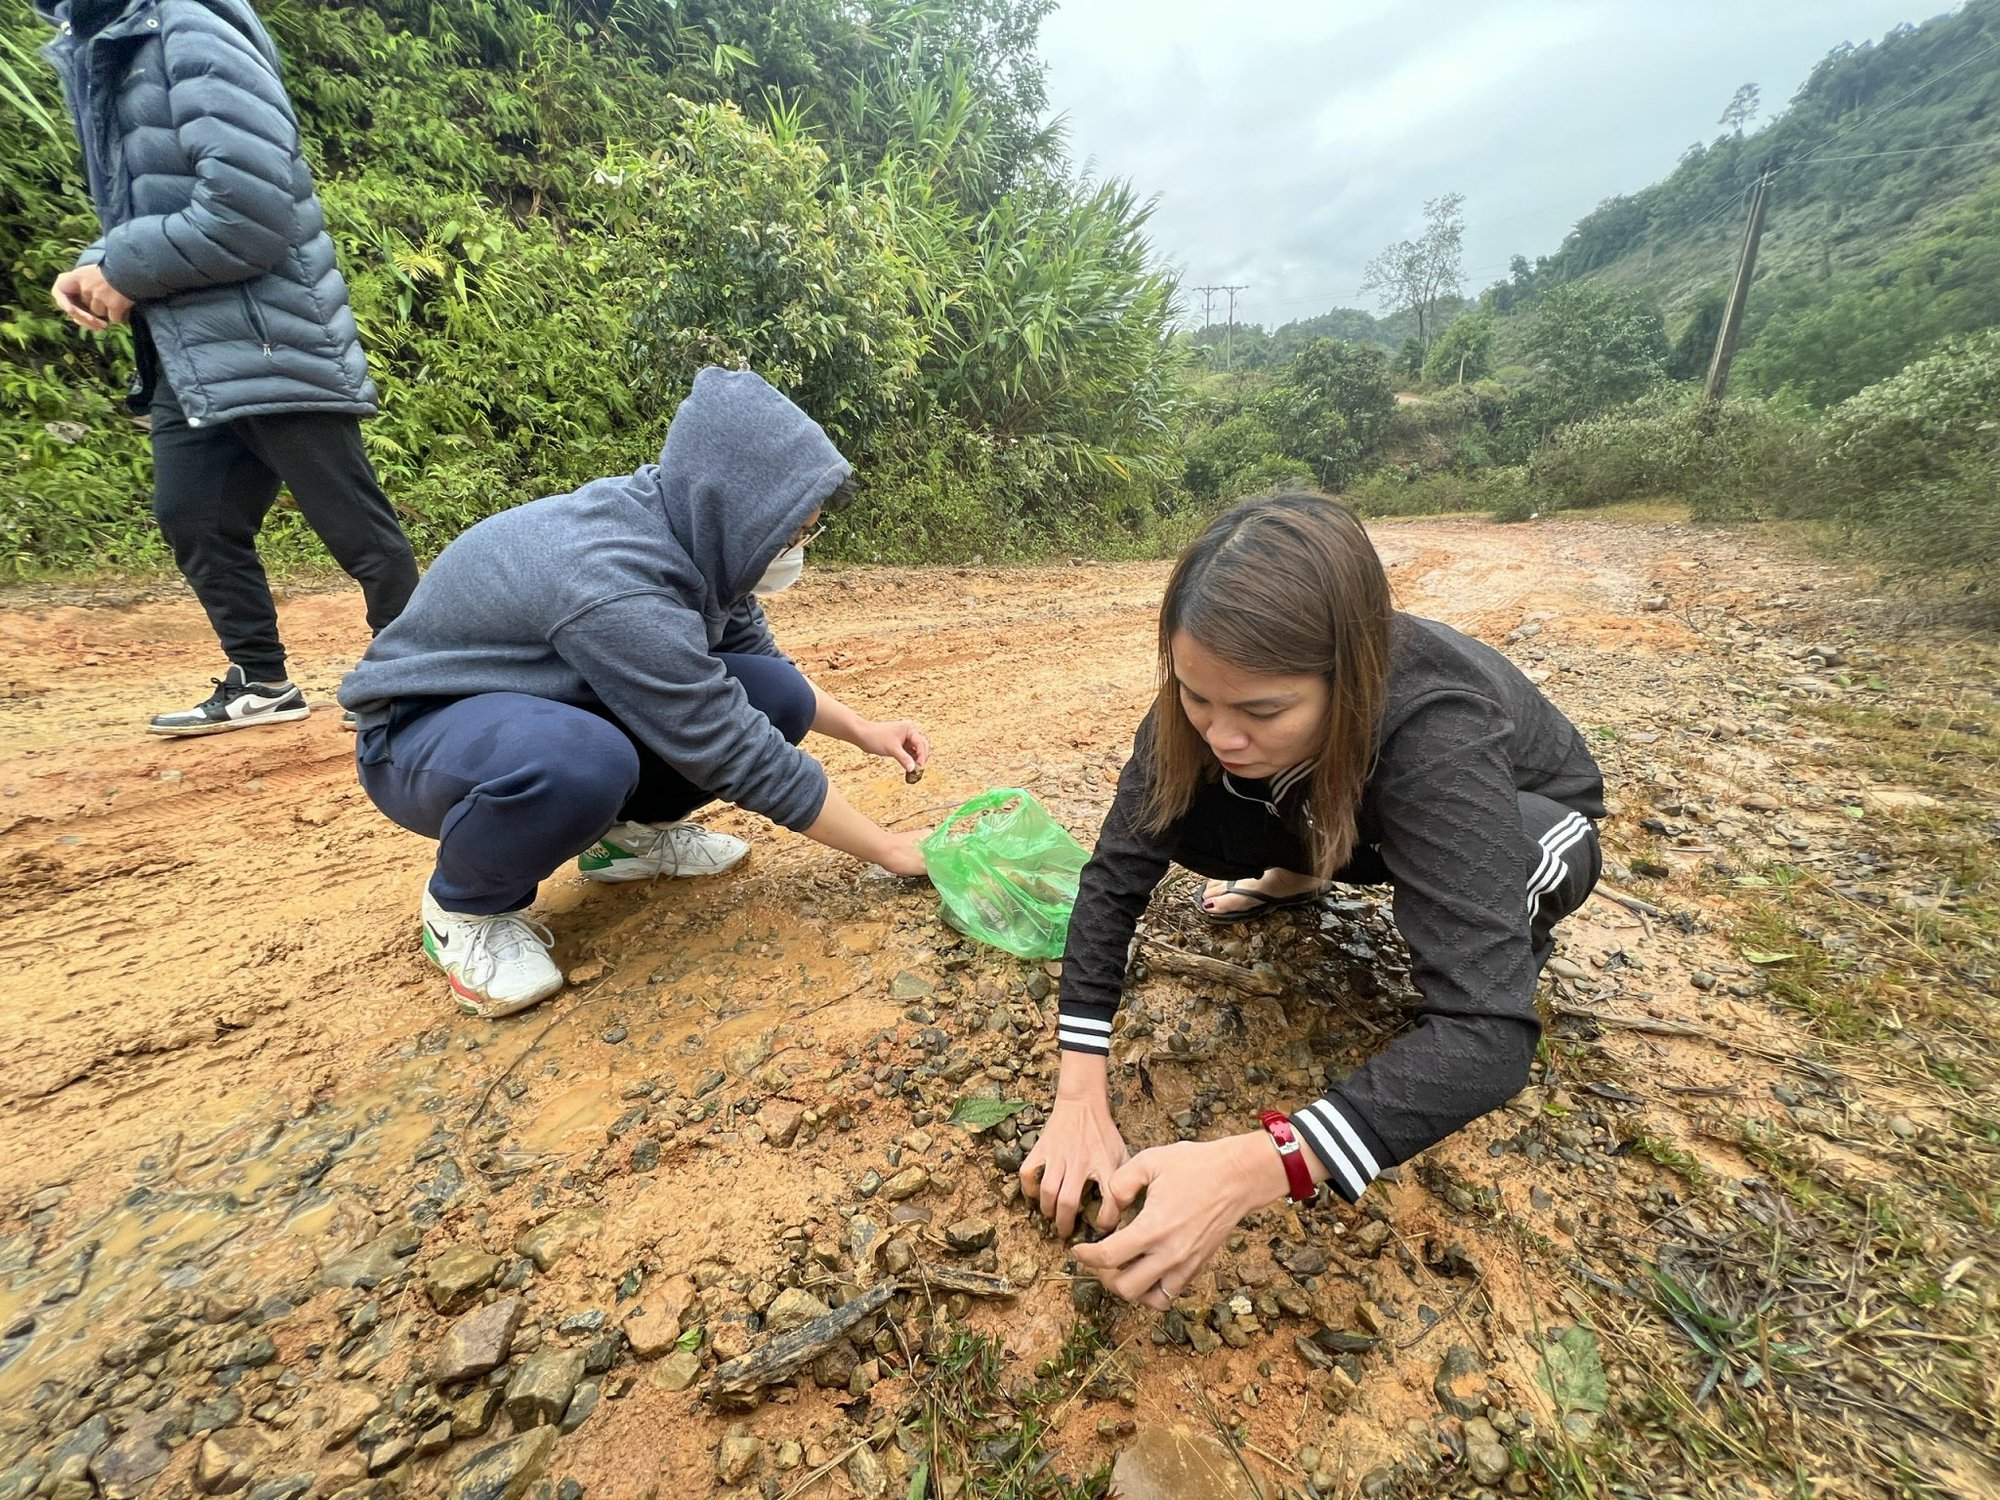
(1287,143)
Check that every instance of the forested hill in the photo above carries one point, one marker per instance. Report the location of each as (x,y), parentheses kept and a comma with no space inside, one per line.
(1882,232)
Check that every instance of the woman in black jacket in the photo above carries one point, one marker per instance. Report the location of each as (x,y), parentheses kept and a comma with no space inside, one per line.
(1308,732)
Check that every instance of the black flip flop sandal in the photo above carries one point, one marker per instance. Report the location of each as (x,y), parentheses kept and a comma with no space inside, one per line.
(1265,904)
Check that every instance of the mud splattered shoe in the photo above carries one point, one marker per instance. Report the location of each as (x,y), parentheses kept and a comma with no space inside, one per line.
(497,965)
(641,851)
(237,703)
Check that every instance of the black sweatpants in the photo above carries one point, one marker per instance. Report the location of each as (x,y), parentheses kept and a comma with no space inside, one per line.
(212,488)
(1240,840)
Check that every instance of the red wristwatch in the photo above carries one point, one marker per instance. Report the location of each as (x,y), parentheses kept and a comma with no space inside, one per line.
(1300,1186)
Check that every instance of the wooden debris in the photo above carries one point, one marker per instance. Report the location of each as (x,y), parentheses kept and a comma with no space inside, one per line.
(952,1279)
(776,1358)
(1172,960)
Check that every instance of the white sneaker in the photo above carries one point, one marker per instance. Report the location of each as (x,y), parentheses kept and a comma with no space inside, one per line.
(643,851)
(497,965)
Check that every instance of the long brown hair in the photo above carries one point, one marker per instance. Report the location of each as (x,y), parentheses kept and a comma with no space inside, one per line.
(1285,585)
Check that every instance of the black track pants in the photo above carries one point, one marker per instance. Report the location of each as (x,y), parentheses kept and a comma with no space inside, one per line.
(213,486)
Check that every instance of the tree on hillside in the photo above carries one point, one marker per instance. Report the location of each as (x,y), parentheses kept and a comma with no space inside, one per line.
(1742,109)
(1463,351)
(1328,407)
(1596,346)
(1414,276)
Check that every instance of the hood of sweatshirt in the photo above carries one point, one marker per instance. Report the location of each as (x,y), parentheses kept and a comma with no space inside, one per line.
(741,471)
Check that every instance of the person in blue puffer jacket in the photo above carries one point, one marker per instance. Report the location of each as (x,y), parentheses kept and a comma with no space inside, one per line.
(215,249)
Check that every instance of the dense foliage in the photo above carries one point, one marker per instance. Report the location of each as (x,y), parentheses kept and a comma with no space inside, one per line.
(552,212)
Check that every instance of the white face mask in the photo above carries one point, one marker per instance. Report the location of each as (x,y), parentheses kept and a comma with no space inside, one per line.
(783,572)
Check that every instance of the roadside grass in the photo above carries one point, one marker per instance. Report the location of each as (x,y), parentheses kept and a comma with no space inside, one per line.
(1831,1326)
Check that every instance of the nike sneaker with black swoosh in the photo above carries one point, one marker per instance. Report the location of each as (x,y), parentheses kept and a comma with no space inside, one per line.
(236,703)
(497,965)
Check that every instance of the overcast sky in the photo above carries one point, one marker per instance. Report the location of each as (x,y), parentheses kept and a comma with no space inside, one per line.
(1288,141)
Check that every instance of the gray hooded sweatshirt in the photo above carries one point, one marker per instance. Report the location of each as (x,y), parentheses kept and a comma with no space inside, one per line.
(623,592)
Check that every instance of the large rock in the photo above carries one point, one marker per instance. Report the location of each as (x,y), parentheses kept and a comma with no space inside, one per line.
(552,1239)
(653,1327)
(504,1471)
(540,1390)
(459,1275)
(477,1342)
(1178,1463)
(228,1461)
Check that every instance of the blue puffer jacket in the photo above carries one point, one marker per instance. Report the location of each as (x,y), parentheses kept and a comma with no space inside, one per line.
(211,222)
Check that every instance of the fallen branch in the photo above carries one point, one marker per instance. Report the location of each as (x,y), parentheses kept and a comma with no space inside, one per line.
(1631,903)
(778,1357)
(1652,1026)
(1219,971)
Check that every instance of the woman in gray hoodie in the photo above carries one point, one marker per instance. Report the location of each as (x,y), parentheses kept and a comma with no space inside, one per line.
(576,675)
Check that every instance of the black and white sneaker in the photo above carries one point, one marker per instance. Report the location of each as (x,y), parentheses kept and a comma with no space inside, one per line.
(238,703)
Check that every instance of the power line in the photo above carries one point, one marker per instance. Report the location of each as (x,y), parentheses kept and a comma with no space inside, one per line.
(1991,140)
(1877,114)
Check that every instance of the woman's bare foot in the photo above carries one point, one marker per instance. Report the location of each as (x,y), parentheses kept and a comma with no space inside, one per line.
(1277,885)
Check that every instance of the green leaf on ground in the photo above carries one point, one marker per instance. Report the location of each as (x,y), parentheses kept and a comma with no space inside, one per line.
(1758,956)
(983,1114)
(1573,1371)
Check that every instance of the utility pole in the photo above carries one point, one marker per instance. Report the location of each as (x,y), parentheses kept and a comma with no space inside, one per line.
(1732,318)
(1207,302)
(1229,344)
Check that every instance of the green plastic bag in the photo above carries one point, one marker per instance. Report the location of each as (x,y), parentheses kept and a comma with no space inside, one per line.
(1007,872)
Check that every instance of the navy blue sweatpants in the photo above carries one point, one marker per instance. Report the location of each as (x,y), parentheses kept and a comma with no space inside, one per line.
(511,786)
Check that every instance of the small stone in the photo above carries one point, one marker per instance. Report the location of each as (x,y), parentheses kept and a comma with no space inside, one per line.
(906,1184)
(391,1451)
(1485,1454)
(1701,979)
(737,1456)
(472,1414)
(458,1276)
(871,1478)
(351,1407)
(554,1238)
(251,1353)
(125,1468)
(908,986)
(1371,1237)
(794,1307)
(477,1342)
(968,1235)
(646,1155)
(375,1262)
(748,1055)
(227,1461)
(1762,802)
(581,1405)
(677,1371)
(504,1471)
(834,1369)
(780,1119)
(653,1327)
(434,1438)
(541,1388)
(1453,1386)
(1903,1127)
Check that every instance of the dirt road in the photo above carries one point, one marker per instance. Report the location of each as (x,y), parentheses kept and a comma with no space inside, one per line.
(244,1128)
